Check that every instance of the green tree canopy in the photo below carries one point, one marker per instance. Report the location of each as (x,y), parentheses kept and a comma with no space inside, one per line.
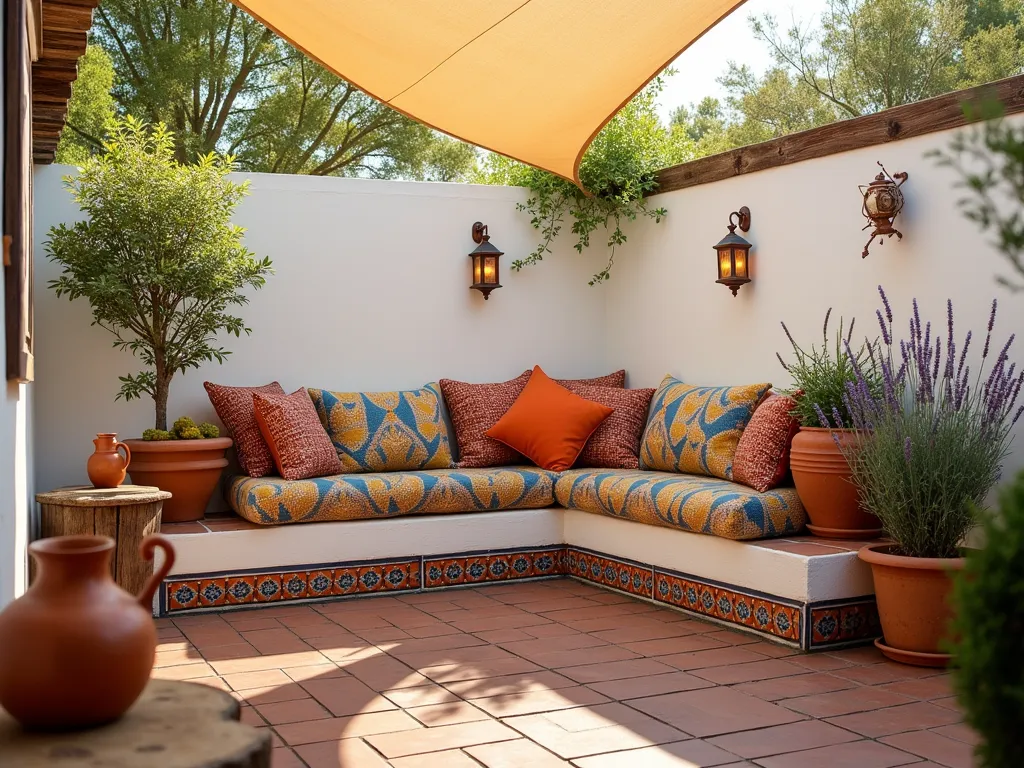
(223,82)
(90,109)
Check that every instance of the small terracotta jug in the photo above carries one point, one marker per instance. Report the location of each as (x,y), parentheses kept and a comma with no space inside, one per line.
(106,466)
(77,649)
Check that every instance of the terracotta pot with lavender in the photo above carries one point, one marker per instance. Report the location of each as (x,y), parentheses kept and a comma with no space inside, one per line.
(821,471)
(930,449)
(77,649)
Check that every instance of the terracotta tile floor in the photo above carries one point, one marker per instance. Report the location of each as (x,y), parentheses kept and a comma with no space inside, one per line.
(555,673)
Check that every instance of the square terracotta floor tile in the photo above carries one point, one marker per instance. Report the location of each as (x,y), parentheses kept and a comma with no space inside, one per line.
(282,757)
(450,673)
(521,753)
(569,744)
(751,671)
(854,754)
(806,684)
(602,654)
(419,696)
(504,685)
(925,688)
(450,758)
(918,716)
(679,754)
(960,732)
(346,696)
(449,713)
(652,685)
(532,702)
(714,711)
(443,737)
(272,694)
(714,657)
(348,753)
(616,670)
(934,747)
(861,699)
(792,737)
(337,728)
(299,711)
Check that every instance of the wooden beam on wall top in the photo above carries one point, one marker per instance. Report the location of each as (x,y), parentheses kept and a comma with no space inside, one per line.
(937,114)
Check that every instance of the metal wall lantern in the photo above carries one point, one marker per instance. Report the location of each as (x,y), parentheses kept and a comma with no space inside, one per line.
(883,201)
(485,261)
(733,253)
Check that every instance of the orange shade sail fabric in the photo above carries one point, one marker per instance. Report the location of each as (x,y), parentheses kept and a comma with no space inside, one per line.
(532,79)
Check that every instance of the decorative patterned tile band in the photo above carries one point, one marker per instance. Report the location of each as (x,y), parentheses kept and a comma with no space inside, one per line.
(843,623)
(814,626)
(333,581)
(458,570)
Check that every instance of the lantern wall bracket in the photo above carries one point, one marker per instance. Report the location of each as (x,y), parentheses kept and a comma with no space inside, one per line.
(742,219)
(480,232)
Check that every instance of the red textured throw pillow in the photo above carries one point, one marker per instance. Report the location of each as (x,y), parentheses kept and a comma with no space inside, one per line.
(297,439)
(475,408)
(548,423)
(762,455)
(234,407)
(616,443)
(616,379)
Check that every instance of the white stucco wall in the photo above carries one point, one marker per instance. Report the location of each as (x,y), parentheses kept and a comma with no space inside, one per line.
(370,292)
(667,315)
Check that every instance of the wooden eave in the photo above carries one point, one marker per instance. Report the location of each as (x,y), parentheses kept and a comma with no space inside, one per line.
(65,27)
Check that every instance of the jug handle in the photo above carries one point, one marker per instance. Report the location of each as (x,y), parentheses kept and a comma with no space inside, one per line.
(127,453)
(148,545)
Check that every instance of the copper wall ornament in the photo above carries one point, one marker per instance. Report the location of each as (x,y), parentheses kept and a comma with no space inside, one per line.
(883,201)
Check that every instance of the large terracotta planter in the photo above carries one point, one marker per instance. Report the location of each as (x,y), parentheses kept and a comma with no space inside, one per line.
(188,469)
(913,603)
(77,649)
(823,481)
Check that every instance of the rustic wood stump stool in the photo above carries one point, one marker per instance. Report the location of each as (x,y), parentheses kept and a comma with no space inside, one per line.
(172,725)
(126,514)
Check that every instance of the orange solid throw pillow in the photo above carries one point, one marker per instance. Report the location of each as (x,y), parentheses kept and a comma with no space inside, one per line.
(549,424)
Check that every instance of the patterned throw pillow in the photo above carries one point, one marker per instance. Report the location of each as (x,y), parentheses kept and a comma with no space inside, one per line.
(762,456)
(235,408)
(616,443)
(475,408)
(548,423)
(296,438)
(386,431)
(696,429)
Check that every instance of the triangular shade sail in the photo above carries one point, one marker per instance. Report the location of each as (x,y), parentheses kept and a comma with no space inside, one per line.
(531,79)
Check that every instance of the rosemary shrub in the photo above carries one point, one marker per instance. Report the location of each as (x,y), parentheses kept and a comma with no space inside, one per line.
(821,375)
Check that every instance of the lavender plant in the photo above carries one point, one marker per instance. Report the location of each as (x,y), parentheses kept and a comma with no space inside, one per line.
(934,436)
(821,375)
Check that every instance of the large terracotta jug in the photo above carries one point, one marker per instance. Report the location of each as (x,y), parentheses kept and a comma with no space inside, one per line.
(107,467)
(76,650)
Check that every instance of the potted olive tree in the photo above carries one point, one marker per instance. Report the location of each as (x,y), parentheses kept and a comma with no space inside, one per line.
(161,264)
(929,449)
(821,472)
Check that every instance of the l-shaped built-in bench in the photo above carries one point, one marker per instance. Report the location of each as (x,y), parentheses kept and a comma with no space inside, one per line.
(806,592)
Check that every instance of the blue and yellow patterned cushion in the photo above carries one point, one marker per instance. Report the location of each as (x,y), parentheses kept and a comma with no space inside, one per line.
(386,431)
(273,501)
(686,502)
(696,429)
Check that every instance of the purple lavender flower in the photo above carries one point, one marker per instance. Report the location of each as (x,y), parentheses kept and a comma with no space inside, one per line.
(885,330)
(885,303)
(907,452)
(786,367)
(789,336)
(824,328)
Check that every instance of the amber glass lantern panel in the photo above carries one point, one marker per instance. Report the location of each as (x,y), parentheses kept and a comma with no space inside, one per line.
(724,264)
(476,269)
(490,275)
(739,262)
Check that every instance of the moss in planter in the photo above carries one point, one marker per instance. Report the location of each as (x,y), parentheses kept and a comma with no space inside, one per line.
(989,597)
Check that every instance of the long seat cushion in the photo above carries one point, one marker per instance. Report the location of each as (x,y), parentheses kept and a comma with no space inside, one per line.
(688,502)
(273,501)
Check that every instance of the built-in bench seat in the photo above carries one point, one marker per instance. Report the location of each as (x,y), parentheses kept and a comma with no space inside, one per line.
(687,502)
